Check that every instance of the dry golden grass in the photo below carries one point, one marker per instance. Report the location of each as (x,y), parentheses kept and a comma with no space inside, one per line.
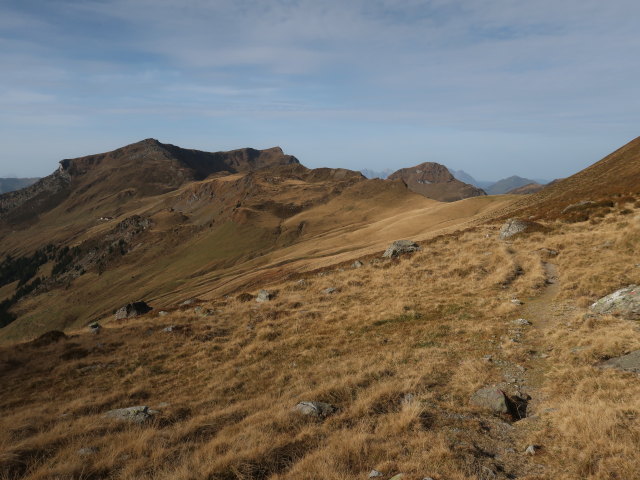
(398,350)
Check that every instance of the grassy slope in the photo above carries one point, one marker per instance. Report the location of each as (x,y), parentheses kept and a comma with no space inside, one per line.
(418,326)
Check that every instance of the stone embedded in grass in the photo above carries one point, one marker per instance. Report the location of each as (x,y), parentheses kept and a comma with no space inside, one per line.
(163,313)
(138,414)
(399,247)
(204,312)
(522,321)
(515,301)
(357,264)
(264,296)
(516,226)
(86,451)
(629,362)
(399,476)
(491,398)
(330,290)
(132,309)
(375,474)
(531,450)
(169,329)
(625,302)
(315,409)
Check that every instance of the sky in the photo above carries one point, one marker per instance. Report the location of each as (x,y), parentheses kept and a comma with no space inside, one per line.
(537,88)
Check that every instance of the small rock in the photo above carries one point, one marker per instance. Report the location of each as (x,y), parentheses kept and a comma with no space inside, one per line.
(531,450)
(625,301)
(189,301)
(549,252)
(133,309)
(169,329)
(516,226)
(427,478)
(375,474)
(264,296)
(86,451)
(491,398)
(204,312)
(399,247)
(330,290)
(357,264)
(629,362)
(163,313)
(487,358)
(522,321)
(515,301)
(397,477)
(315,409)
(132,414)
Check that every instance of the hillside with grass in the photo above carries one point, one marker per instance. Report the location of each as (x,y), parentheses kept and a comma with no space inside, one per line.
(284,342)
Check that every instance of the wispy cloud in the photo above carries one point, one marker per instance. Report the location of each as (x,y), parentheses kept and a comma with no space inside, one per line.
(503,69)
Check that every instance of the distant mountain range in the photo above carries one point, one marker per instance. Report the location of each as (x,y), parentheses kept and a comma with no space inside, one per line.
(506,185)
(11,184)
(376,174)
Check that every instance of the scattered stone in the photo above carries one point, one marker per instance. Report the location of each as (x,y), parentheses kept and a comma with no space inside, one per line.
(522,321)
(169,329)
(133,309)
(301,283)
(629,362)
(516,226)
(625,301)
(577,206)
(375,474)
(330,290)
(549,252)
(531,450)
(399,247)
(491,398)
(189,301)
(515,301)
(487,358)
(204,312)
(315,409)
(86,451)
(399,476)
(163,313)
(138,414)
(264,296)
(95,328)
(164,405)
(357,264)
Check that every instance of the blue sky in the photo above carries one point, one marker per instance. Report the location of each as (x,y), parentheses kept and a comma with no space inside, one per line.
(499,87)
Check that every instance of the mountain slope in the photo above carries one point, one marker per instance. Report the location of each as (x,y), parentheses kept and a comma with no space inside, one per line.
(11,184)
(435,181)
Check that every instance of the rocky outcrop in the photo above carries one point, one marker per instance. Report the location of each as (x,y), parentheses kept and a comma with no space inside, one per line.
(629,362)
(492,399)
(624,302)
(435,181)
(133,309)
(132,414)
(517,226)
(315,409)
(399,247)
(41,195)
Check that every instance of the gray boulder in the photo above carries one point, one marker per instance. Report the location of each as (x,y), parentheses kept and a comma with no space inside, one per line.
(357,264)
(516,226)
(264,296)
(315,409)
(629,362)
(132,309)
(399,247)
(132,414)
(491,398)
(625,302)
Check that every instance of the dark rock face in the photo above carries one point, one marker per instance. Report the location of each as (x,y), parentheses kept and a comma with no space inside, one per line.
(133,309)
(624,302)
(435,181)
(629,362)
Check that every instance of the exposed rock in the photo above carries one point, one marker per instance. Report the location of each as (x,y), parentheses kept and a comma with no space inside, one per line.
(515,301)
(357,264)
(517,226)
(169,329)
(86,451)
(330,290)
(133,309)
(625,302)
(204,312)
(522,321)
(375,474)
(315,409)
(163,313)
(531,450)
(399,247)
(399,476)
(629,362)
(138,414)
(189,301)
(549,252)
(264,296)
(491,398)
